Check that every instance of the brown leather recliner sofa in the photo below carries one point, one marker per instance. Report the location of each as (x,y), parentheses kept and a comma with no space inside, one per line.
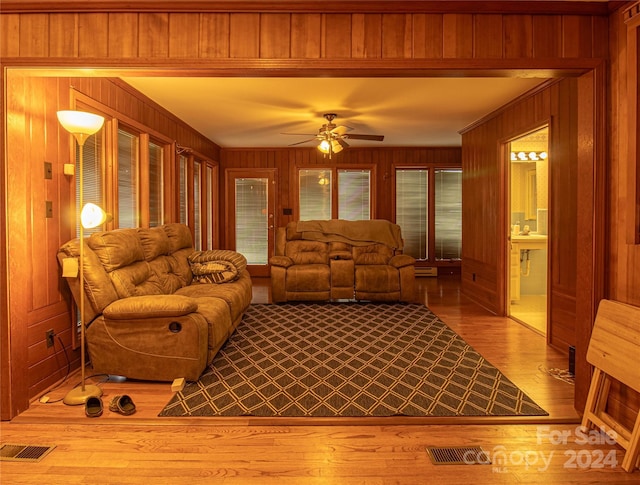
(337,259)
(156,309)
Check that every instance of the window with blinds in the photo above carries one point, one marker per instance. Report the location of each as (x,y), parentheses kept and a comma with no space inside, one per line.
(315,194)
(182,189)
(412,210)
(197,205)
(128,179)
(252,224)
(448,214)
(209,205)
(156,183)
(92,176)
(354,195)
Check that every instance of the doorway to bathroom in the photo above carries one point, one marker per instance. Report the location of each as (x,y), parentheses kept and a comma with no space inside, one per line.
(528,229)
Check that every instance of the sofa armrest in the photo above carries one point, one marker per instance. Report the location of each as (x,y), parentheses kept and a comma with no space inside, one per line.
(150,306)
(282,261)
(402,260)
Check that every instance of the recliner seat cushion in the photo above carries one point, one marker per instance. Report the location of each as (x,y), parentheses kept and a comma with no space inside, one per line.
(307,252)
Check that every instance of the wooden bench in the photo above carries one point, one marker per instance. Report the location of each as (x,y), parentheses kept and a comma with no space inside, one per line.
(614,351)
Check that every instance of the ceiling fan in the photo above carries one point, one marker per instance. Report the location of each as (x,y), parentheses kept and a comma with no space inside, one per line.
(333,138)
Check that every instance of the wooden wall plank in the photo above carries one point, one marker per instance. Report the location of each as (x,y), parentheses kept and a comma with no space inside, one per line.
(154,35)
(337,36)
(215,35)
(34,35)
(63,35)
(124,35)
(518,31)
(458,36)
(546,30)
(275,36)
(244,35)
(306,36)
(9,30)
(487,46)
(93,35)
(577,39)
(366,36)
(397,36)
(428,36)
(184,39)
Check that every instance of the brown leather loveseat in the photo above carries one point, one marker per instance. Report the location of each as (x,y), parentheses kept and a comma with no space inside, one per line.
(148,317)
(338,259)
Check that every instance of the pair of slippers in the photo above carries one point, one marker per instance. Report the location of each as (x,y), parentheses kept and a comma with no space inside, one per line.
(121,404)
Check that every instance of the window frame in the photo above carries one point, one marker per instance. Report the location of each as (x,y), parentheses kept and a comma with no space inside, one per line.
(334,169)
(114,120)
(431,168)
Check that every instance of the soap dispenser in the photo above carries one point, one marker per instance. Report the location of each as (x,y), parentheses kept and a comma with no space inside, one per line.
(516,228)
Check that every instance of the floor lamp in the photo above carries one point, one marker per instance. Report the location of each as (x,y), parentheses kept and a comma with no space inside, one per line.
(82,125)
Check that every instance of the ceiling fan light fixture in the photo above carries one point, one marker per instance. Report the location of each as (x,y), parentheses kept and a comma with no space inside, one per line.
(336,147)
(325,146)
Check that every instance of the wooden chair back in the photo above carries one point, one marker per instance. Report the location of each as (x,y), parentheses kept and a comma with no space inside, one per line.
(614,349)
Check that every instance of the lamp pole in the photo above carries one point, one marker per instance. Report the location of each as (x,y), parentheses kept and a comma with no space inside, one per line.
(72,121)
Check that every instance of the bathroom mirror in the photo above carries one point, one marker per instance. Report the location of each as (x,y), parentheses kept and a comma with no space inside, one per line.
(531,195)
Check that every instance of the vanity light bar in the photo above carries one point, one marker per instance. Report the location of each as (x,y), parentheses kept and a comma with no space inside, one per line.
(528,157)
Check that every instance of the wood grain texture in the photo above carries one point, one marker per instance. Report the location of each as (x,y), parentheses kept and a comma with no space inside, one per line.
(134,448)
(436,38)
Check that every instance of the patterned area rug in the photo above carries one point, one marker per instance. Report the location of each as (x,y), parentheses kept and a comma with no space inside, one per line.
(349,359)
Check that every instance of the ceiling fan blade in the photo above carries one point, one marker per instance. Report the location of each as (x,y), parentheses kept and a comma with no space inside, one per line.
(342,143)
(341,129)
(355,136)
(301,142)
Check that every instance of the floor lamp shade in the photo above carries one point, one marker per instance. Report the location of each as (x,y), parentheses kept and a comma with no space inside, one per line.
(81,125)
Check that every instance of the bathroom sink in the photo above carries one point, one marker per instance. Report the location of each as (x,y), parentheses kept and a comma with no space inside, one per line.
(531,241)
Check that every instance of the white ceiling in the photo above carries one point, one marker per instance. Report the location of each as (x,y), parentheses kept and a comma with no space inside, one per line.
(254,112)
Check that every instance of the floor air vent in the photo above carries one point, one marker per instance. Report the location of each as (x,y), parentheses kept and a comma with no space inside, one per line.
(28,453)
(458,455)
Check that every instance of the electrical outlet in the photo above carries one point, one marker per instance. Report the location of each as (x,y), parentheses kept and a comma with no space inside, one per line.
(49,336)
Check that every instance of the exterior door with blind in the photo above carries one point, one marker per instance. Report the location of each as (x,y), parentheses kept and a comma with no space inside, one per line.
(251,223)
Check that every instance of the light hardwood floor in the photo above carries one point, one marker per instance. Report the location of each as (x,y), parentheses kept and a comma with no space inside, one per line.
(114,449)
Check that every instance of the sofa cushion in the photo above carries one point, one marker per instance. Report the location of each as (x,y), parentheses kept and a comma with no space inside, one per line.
(372,254)
(154,241)
(377,279)
(307,252)
(179,236)
(116,249)
(136,279)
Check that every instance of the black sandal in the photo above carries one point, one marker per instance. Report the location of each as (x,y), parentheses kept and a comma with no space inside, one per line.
(93,407)
(122,404)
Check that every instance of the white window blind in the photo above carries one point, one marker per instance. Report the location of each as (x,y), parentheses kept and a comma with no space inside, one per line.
(448,214)
(315,194)
(412,210)
(128,179)
(354,195)
(197,217)
(209,206)
(156,182)
(182,189)
(252,224)
(92,176)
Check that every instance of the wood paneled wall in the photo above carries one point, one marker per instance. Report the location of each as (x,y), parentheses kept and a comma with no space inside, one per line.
(558,39)
(40,299)
(485,218)
(114,38)
(623,258)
